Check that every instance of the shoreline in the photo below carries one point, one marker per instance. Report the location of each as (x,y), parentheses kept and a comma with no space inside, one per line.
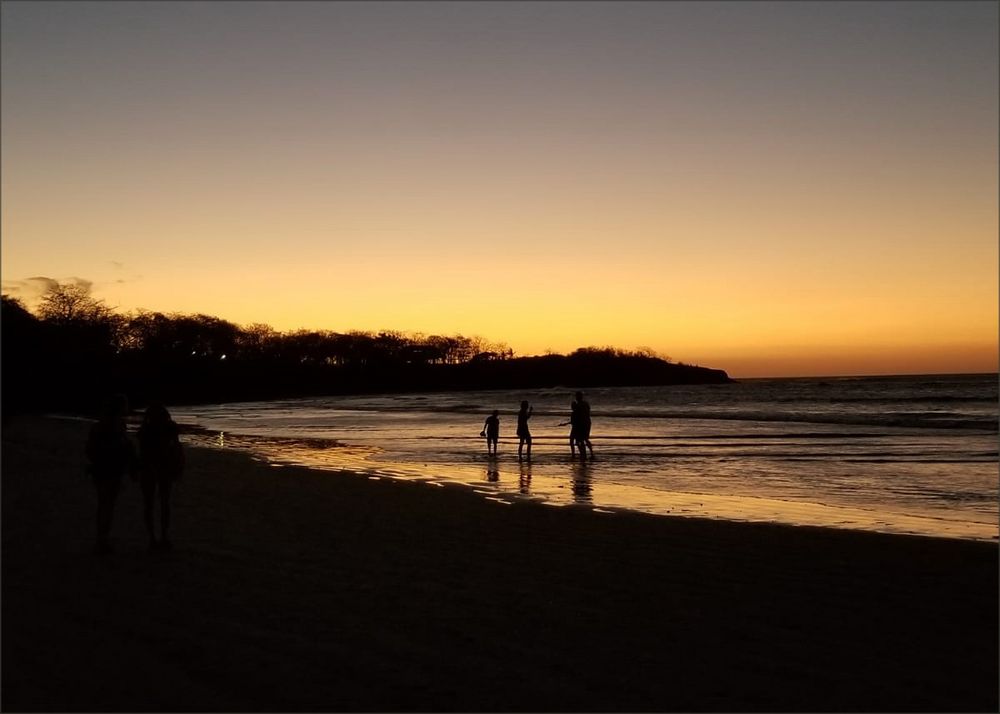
(507,487)
(292,589)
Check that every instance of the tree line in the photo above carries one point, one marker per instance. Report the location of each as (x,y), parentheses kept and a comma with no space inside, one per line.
(73,349)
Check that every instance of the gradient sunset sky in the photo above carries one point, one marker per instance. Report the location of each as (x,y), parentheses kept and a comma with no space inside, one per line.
(767,188)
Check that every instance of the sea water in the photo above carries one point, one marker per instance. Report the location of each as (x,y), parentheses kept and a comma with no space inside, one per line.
(909,454)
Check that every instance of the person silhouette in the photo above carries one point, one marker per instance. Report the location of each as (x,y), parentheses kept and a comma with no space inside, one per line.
(572,427)
(110,456)
(523,434)
(161,462)
(491,430)
(582,427)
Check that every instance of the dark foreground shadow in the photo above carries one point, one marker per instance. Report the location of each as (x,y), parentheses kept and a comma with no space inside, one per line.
(295,591)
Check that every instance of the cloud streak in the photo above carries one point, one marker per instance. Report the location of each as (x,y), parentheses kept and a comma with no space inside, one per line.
(31,290)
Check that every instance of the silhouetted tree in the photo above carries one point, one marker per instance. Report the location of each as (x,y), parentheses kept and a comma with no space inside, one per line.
(76,345)
(23,357)
(254,340)
(66,303)
(81,349)
(15,315)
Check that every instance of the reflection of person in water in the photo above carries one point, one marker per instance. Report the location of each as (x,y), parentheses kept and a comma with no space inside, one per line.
(581,485)
(524,480)
(523,434)
(492,472)
(491,430)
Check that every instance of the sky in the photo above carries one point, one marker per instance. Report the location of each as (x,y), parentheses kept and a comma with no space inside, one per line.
(773,189)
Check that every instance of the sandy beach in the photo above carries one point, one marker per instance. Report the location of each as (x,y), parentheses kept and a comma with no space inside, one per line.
(298,590)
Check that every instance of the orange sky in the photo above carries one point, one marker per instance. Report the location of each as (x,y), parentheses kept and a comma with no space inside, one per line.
(771,189)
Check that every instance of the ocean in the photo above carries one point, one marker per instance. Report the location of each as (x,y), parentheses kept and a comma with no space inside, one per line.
(907,454)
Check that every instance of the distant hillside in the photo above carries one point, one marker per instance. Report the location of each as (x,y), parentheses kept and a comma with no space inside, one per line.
(76,351)
(247,381)
(585,367)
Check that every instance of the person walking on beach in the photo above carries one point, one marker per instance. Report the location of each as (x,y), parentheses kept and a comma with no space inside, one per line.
(523,434)
(491,430)
(110,455)
(161,461)
(582,426)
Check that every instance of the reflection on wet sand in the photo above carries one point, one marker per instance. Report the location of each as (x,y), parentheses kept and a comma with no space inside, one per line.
(559,481)
(582,487)
(524,479)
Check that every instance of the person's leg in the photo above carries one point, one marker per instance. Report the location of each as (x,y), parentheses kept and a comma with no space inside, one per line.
(107,493)
(520,446)
(164,486)
(103,519)
(148,496)
(527,440)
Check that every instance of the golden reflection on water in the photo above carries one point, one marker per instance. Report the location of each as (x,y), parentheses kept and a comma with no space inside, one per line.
(582,485)
(524,479)
(561,481)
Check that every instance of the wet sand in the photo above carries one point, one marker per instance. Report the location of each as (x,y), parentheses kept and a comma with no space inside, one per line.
(297,590)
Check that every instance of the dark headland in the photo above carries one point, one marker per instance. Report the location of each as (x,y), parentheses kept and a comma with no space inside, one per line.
(76,351)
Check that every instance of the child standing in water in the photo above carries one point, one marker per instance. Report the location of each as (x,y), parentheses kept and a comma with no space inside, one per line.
(582,425)
(523,435)
(491,430)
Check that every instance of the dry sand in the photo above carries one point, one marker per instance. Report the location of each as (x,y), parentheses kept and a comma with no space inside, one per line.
(290,589)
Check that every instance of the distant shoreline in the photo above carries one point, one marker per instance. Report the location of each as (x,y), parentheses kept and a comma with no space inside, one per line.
(897,375)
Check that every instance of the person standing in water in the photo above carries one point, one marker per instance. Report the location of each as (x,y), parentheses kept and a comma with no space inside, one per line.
(582,426)
(491,430)
(572,428)
(523,434)
(161,461)
(110,456)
